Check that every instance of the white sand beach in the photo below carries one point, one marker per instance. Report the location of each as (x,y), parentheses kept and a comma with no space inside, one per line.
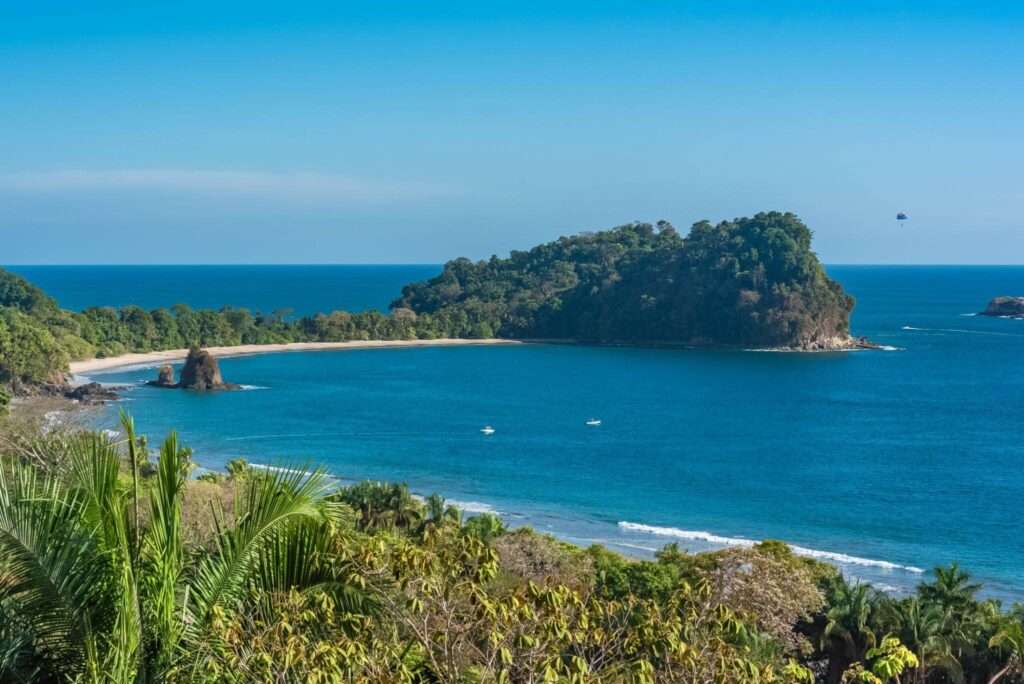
(93,365)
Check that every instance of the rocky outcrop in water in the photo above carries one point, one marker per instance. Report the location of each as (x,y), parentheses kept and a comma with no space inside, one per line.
(1012,307)
(164,377)
(91,393)
(202,372)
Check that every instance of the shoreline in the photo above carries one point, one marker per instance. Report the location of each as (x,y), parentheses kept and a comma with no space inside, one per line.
(171,355)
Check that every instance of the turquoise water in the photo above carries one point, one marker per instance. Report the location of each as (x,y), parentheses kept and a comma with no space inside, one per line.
(888,462)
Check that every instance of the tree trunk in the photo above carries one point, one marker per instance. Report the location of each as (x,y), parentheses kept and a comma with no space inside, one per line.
(837,664)
(998,675)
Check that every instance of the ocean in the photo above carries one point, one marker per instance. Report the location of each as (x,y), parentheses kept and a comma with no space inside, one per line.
(887,463)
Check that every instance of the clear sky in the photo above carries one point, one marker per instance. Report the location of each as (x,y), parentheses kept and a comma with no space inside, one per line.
(205,132)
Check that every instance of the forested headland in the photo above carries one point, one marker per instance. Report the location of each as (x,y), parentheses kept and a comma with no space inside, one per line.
(752,281)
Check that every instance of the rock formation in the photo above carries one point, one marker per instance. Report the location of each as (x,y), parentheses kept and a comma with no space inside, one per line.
(165,377)
(91,393)
(1005,306)
(202,372)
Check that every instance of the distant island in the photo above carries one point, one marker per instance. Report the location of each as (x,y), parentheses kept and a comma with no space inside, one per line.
(746,282)
(1005,307)
(750,282)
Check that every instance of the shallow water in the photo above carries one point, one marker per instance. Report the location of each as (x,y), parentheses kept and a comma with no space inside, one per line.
(885,462)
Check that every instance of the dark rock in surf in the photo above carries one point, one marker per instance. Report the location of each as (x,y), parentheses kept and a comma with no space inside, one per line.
(202,372)
(164,377)
(1012,307)
(91,393)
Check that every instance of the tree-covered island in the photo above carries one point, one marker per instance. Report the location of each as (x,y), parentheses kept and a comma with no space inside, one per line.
(747,282)
(751,281)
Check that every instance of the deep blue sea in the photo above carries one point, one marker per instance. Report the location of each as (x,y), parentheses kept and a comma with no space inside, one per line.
(304,289)
(886,462)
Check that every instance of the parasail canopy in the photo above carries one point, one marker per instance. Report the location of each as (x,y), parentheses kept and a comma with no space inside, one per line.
(901,216)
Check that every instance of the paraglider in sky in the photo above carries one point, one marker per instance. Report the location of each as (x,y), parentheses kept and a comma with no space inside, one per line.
(901,216)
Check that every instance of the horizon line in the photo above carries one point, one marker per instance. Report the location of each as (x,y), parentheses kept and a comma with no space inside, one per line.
(442,263)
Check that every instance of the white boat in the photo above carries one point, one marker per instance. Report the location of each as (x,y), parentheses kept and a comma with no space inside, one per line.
(593,422)
(487,430)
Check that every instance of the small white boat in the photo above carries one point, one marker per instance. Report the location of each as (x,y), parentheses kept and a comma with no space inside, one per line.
(487,430)
(593,422)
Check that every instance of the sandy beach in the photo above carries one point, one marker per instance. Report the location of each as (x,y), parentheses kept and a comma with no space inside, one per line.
(170,355)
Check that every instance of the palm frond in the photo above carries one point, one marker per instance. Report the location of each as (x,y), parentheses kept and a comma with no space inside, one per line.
(163,553)
(52,571)
(273,502)
(95,461)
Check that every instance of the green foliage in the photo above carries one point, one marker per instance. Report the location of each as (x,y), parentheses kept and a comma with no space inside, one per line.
(619,577)
(238,467)
(748,281)
(29,353)
(890,658)
(5,401)
(99,598)
(107,577)
(18,293)
(381,505)
(486,527)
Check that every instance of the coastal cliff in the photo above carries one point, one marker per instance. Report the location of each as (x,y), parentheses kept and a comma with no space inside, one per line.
(747,282)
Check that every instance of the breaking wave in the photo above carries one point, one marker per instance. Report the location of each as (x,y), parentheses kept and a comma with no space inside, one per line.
(699,535)
(472,506)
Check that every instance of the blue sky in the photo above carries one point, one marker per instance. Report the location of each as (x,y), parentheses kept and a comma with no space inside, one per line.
(415,132)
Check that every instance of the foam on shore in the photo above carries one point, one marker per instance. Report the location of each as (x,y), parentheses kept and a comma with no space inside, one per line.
(472,506)
(708,537)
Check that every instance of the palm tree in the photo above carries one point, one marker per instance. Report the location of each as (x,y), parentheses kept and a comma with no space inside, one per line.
(486,527)
(847,635)
(922,627)
(439,513)
(952,588)
(1010,640)
(382,505)
(101,598)
(403,511)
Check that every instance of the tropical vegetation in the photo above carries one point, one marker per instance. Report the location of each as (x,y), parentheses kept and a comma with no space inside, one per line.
(119,563)
(747,281)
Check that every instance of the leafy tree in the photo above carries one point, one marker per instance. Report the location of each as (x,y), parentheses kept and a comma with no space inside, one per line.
(1009,639)
(438,513)
(102,599)
(486,527)
(28,351)
(18,293)
(847,634)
